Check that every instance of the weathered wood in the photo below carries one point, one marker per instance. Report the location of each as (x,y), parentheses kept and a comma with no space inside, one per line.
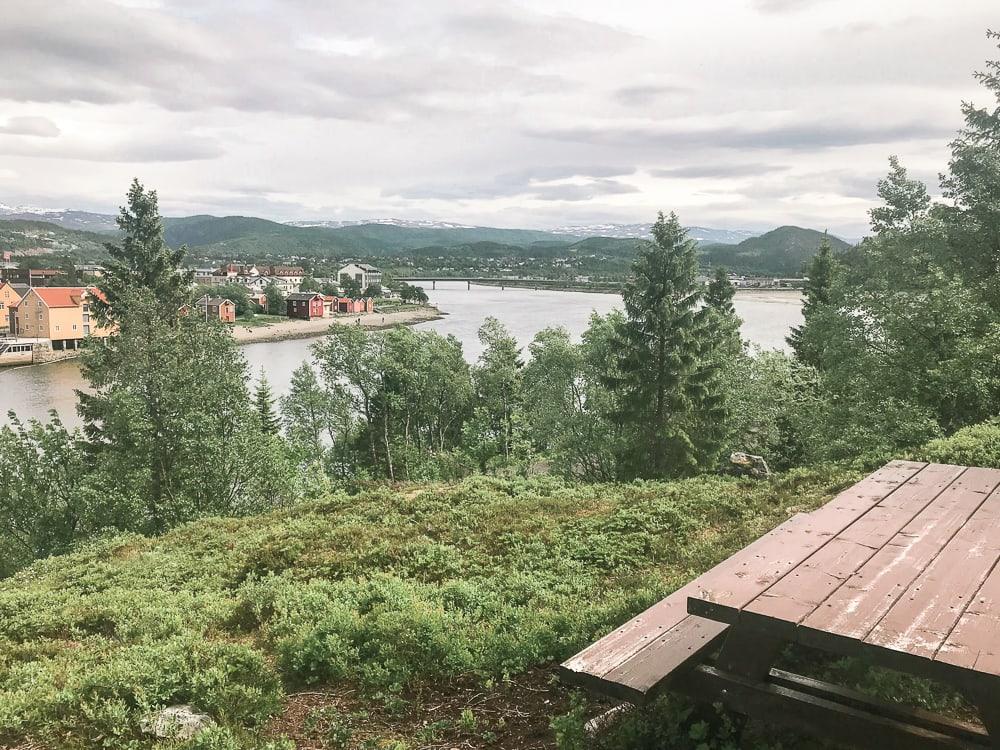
(854,722)
(749,652)
(862,600)
(923,617)
(808,585)
(613,665)
(974,643)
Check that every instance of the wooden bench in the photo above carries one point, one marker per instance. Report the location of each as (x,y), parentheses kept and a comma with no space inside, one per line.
(901,569)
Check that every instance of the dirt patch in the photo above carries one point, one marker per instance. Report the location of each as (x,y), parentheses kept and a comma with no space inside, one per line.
(466,714)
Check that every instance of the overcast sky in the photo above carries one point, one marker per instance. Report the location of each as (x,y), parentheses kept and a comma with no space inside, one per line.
(734,113)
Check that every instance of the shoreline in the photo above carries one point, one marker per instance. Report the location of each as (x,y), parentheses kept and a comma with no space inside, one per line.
(288,330)
(599,288)
(291,329)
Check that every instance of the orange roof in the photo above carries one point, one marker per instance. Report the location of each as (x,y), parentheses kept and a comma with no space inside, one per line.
(65,296)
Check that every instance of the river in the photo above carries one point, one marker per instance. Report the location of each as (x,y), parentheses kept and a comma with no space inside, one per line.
(767,317)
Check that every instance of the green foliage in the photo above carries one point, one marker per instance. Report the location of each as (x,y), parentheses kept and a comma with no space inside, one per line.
(275,299)
(142,266)
(976,445)
(378,591)
(816,295)
(412,293)
(781,252)
(497,382)
(267,419)
(351,287)
(666,373)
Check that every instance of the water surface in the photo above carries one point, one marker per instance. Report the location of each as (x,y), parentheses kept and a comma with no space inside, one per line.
(767,317)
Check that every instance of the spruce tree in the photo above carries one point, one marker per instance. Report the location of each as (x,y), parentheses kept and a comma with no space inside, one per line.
(142,264)
(264,399)
(819,282)
(719,292)
(667,379)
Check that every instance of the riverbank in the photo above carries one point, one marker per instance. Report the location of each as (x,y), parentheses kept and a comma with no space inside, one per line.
(612,287)
(292,328)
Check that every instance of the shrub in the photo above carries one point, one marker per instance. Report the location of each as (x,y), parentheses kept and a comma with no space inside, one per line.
(976,445)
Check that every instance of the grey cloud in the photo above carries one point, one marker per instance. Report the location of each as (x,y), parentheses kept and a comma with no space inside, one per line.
(796,137)
(523,184)
(150,150)
(714,170)
(635,96)
(41,127)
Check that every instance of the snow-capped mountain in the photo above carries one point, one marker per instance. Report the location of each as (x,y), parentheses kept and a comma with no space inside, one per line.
(419,223)
(68,218)
(701,234)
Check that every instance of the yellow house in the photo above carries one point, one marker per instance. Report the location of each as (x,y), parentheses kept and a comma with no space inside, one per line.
(10,296)
(58,313)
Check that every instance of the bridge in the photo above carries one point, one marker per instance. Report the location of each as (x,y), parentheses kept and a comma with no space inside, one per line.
(469,280)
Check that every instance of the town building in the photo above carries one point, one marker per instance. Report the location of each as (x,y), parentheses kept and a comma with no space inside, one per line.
(29,276)
(362,273)
(217,308)
(259,299)
(58,313)
(10,296)
(348,305)
(305,305)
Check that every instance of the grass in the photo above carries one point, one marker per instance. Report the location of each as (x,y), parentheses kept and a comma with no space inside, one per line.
(420,616)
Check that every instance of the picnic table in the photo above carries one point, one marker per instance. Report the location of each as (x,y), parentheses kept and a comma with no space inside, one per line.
(899,570)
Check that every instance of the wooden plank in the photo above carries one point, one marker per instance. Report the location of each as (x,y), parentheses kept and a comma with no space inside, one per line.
(805,587)
(974,643)
(921,619)
(861,601)
(826,716)
(751,569)
(927,719)
(715,595)
(647,673)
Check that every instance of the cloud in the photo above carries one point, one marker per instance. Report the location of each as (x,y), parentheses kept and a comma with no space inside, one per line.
(127,150)
(559,183)
(636,96)
(41,127)
(717,170)
(806,136)
(784,6)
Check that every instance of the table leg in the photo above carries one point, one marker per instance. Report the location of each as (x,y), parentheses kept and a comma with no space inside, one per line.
(987,702)
(749,652)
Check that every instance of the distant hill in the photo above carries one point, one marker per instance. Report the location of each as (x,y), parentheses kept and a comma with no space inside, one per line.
(28,237)
(781,252)
(65,218)
(644,231)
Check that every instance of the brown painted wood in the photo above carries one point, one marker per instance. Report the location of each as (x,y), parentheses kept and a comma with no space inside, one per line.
(736,580)
(923,617)
(826,715)
(974,643)
(862,600)
(808,585)
(648,673)
(927,719)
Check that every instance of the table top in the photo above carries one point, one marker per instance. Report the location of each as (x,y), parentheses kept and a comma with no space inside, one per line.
(915,573)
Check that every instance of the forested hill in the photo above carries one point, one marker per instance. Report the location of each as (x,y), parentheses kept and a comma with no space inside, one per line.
(485,250)
(781,252)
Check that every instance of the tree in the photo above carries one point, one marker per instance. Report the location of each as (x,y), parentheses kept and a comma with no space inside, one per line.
(351,287)
(719,293)
(667,379)
(409,293)
(497,381)
(264,399)
(309,284)
(275,299)
(142,265)
(373,290)
(314,415)
(169,420)
(905,200)
(819,280)
(44,504)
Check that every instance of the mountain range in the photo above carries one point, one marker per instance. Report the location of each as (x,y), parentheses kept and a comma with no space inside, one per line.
(598,248)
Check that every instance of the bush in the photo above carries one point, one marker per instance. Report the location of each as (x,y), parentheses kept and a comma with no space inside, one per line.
(976,445)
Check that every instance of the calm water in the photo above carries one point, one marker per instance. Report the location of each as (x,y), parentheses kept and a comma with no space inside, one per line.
(767,318)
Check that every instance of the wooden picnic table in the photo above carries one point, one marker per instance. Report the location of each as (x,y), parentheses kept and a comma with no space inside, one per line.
(899,570)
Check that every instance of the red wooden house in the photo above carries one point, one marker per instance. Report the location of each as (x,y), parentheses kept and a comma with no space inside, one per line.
(304,305)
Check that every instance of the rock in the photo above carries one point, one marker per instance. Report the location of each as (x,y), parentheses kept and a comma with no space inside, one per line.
(176,722)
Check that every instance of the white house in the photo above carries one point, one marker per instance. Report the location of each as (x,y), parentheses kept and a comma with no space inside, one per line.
(364,274)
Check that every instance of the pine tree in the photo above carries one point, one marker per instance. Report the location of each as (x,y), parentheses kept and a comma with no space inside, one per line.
(667,381)
(142,265)
(264,399)
(719,292)
(816,294)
